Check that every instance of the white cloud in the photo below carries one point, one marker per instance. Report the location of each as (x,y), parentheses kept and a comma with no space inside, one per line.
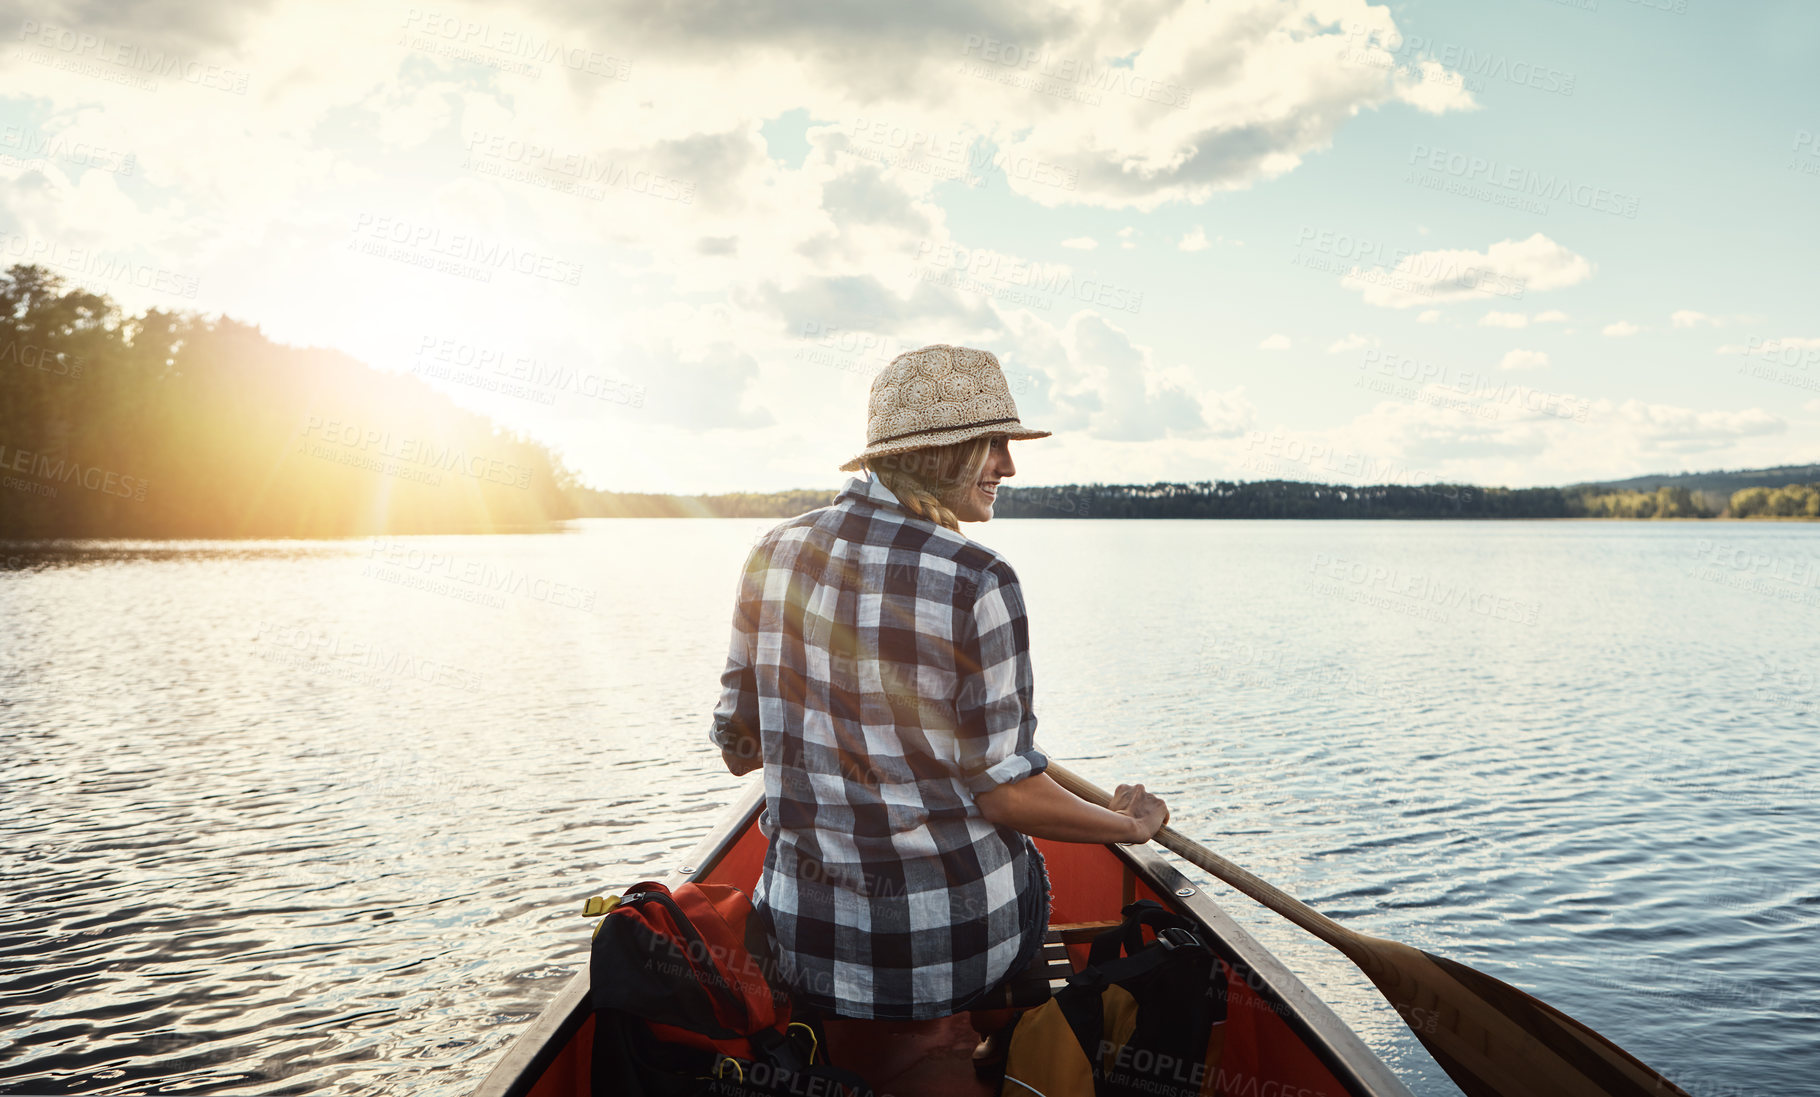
(1506,268)
(1688,318)
(1524,359)
(754,312)
(1352,341)
(1685,430)
(1511,434)
(1517,319)
(1620,328)
(703,391)
(1190,100)
(1093,378)
(1278,341)
(1196,240)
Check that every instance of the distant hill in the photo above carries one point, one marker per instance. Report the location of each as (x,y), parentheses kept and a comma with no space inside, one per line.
(1720,482)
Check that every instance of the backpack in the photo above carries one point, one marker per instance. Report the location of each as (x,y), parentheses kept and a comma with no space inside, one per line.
(1140,1018)
(682,1005)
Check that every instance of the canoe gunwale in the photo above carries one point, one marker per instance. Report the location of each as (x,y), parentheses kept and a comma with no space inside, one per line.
(532,1051)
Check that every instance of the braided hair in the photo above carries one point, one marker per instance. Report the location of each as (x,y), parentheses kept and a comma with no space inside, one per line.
(925,479)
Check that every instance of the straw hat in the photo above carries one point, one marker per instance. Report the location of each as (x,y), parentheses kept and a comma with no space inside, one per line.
(935,396)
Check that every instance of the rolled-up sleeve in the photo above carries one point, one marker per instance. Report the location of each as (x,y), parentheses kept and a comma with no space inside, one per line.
(997,732)
(735,725)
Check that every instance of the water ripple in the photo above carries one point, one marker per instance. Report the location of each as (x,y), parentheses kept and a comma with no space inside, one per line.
(244,854)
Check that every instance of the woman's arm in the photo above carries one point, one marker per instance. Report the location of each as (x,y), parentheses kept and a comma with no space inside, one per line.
(1039,807)
(735,730)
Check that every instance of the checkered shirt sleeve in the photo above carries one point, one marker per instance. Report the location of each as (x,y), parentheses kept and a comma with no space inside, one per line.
(997,724)
(736,716)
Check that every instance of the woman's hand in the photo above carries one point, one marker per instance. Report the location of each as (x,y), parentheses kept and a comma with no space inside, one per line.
(1147,811)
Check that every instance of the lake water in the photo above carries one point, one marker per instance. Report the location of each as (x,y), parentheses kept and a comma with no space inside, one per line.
(318,817)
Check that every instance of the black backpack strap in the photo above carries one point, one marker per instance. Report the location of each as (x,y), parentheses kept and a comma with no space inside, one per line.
(1129,934)
(1081,1008)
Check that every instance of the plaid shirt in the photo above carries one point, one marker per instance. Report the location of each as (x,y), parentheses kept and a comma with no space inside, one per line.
(882,664)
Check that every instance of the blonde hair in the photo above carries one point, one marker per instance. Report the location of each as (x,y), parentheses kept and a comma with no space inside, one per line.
(926,480)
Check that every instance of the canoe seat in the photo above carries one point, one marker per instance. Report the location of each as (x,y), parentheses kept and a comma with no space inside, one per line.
(935,1058)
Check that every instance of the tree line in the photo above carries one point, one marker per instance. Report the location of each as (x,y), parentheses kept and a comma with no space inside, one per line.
(168,424)
(175,425)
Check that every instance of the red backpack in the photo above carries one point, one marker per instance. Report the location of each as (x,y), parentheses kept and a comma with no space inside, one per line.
(682,1003)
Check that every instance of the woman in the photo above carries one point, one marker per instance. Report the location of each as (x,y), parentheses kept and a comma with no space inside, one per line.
(880,668)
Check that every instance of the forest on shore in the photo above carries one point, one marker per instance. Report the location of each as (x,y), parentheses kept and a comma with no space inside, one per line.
(173,425)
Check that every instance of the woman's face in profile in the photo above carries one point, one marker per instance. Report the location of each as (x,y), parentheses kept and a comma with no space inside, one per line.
(974,502)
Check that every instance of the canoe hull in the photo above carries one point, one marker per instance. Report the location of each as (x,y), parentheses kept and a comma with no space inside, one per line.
(1280,1038)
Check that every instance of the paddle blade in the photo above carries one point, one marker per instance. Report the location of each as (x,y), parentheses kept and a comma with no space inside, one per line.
(1493,1039)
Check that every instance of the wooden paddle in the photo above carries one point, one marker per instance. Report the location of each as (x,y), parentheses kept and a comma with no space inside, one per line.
(1491,1038)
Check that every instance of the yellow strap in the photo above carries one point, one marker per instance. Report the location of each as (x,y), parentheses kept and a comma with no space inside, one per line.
(814,1044)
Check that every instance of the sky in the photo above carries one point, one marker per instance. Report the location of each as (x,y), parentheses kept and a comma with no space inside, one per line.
(1511,243)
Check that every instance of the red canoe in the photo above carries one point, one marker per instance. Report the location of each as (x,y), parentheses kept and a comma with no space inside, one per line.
(1280,1040)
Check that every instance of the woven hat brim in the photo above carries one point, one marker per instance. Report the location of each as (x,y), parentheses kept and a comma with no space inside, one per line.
(1016,431)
